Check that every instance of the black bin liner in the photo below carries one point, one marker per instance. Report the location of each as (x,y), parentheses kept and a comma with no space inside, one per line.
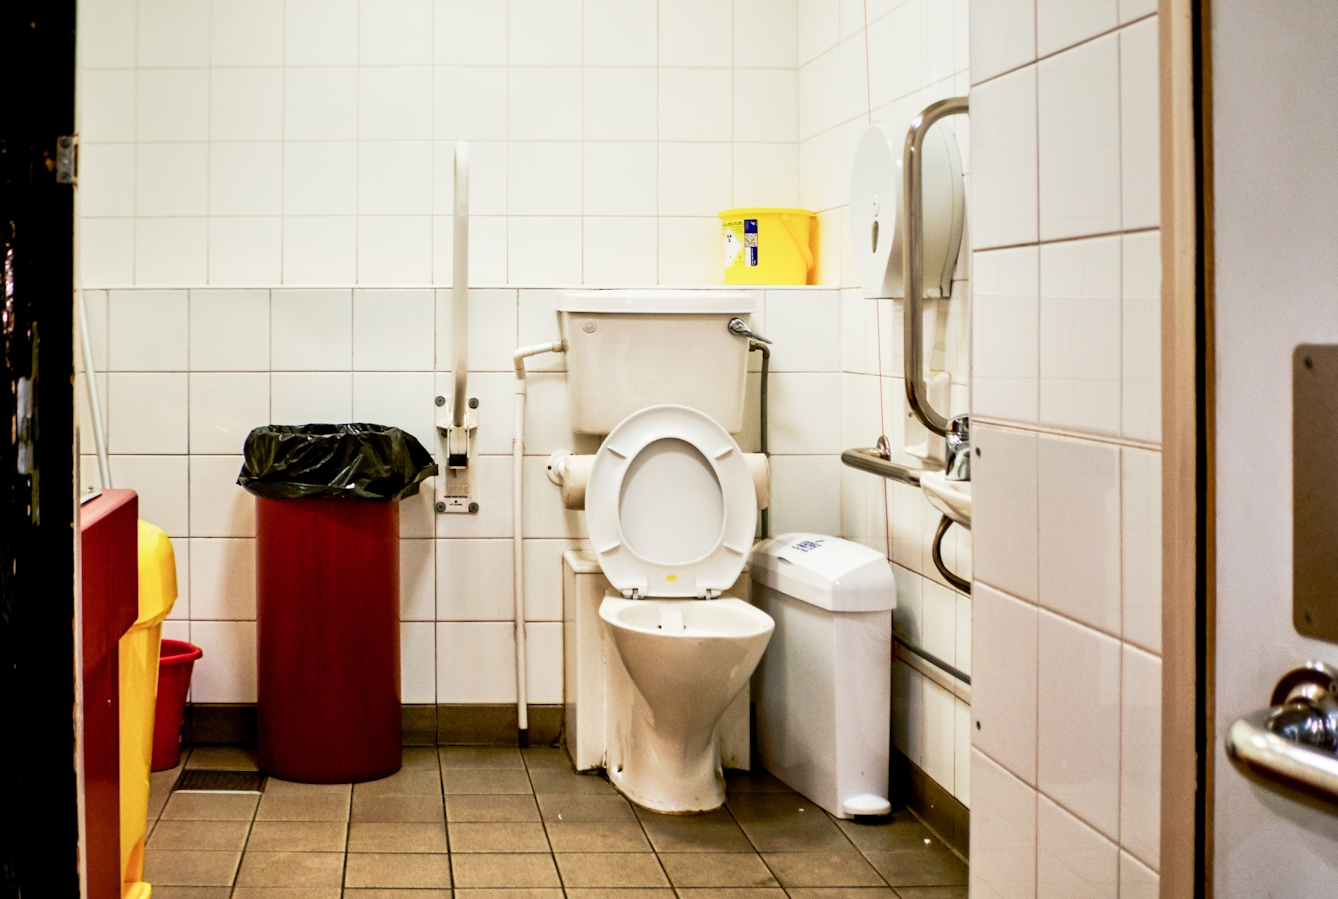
(353,461)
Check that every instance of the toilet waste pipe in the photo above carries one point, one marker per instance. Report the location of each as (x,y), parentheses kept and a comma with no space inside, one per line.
(517,534)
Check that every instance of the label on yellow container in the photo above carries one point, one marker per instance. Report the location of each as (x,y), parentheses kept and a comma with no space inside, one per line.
(740,243)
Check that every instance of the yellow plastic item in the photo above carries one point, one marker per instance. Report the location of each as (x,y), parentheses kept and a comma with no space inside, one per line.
(767,246)
(139,696)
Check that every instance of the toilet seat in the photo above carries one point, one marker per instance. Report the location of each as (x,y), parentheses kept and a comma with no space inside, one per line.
(670,505)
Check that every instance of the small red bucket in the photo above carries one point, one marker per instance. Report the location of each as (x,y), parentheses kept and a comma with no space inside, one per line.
(176,659)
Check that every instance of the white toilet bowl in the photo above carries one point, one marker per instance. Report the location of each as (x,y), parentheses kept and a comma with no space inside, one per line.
(688,659)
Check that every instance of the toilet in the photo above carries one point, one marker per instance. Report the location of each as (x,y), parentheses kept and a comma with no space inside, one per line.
(661,641)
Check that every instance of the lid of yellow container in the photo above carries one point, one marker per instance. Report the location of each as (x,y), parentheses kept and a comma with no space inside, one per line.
(746,211)
(157,575)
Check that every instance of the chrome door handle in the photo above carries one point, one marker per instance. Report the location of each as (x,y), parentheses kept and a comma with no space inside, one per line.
(1295,741)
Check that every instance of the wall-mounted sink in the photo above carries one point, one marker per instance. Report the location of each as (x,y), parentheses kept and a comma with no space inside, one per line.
(952,498)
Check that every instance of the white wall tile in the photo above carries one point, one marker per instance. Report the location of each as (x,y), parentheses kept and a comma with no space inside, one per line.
(246,178)
(245,33)
(695,180)
(106,251)
(107,179)
(146,413)
(819,27)
(1005,335)
(393,330)
(1135,9)
(620,104)
(476,662)
(320,104)
(395,33)
(171,251)
(218,507)
(1137,881)
(229,675)
(765,34)
(417,515)
(1003,36)
(805,494)
(548,418)
(1003,159)
(173,33)
(545,32)
(222,579)
(908,711)
(619,250)
(1072,859)
(938,621)
(172,179)
(939,734)
(1140,517)
(298,398)
(475,580)
(1078,119)
(620,179)
(543,662)
(766,174)
(961,786)
(163,485)
(181,558)
(395,178)
(619,33)
(106,33)
(401,399)
(805,413)
(394,249)
(543,579)
(695,104)
(1003,684)
(543,103)
(690,251)
(804,326)
(146,330)
(469,33)
(1003,832)
(229,330)
(312,330)
(936,39)
(1140,179)
(246,104)
(320,250)
(1079,765)
(544,249)
(492,330)
(1080,335)
(765,105)
(544,178)
(695,33)
(395,103)
(1141,362)
(321,32)
(224,407)
(1063,23)
(245,250)
(470,103)
(544,513)
(487,188)
(1004,522)
(1140,756)
(418,580)
(320,178)
(1080,530)
(538,323)
(487,248)
(492,491)
(418,661)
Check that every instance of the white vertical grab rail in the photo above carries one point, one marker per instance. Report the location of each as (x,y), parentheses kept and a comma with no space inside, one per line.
(91,389)
(460,286)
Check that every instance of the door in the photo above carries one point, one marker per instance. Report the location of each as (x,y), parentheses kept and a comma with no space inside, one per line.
(1275,261)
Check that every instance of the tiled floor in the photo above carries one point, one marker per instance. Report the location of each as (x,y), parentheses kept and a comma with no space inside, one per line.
(522,826)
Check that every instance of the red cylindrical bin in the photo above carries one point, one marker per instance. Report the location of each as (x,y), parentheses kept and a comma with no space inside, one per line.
(328,639)
(176,661)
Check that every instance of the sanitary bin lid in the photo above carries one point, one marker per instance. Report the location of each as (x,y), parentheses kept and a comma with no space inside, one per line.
(826,572)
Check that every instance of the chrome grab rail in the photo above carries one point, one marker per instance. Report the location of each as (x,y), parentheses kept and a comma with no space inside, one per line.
(869,460)
(912,258)
(1272,743)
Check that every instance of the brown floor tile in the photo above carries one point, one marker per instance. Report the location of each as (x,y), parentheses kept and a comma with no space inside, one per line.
(506,893)
(717,869)
(421,758)
(233,758)
(480,757)
(303,807)
(582,807)
(771,806)
(406,780)
(495,807)
(283,893)
(291,869)
(623,893)
(512,870)
(210,807)
(190,868)
(396,837)
(547,758)
(822,869)
(713,832)
(393,893)
(297,836)
(168,892)
(758,780)
(398,809)
(398,870)
(458,781)
(786,822)
(274,785)
(845,893)
(919,867)
(230,835)
(507,837)
(611,869)
(954,892)
(597,836)
(732,893)
(900,831)
(553,780)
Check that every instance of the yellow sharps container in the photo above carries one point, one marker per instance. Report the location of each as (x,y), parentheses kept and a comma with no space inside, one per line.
(767,246)
(139,695)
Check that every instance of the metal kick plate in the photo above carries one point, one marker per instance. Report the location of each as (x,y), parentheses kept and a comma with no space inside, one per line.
(1315,491)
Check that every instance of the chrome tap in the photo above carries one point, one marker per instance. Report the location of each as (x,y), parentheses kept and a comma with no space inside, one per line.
(959,449)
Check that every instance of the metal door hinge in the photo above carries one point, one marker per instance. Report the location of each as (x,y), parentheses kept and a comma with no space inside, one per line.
(67,156)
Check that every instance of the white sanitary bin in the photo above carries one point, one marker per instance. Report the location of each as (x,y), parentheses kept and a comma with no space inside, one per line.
(824,687)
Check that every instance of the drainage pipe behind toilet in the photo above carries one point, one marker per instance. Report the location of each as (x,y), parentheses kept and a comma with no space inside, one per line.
(517,533)
(764,444)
